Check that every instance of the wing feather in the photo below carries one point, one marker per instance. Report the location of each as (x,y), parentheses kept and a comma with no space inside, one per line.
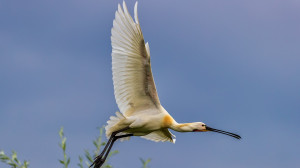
(134,86)
(161,135)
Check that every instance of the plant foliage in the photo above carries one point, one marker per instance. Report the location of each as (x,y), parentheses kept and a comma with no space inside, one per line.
(84,162)
(13,160)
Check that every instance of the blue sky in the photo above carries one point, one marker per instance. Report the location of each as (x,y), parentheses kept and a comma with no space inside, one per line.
(233,65)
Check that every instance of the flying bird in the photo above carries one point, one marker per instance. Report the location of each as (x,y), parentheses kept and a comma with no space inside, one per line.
(141,113)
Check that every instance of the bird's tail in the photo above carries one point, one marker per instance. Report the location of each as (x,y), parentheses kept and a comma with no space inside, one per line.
(114,123)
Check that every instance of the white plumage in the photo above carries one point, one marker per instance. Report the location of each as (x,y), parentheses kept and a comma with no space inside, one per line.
(135,92)
(134,86)
(133,81)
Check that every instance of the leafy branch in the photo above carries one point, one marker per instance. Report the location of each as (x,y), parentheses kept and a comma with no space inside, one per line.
(13,160)
(84,162)
(98,144)
(63,146)
(145,162)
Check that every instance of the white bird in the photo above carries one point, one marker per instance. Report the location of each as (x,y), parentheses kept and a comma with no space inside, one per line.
(135,92)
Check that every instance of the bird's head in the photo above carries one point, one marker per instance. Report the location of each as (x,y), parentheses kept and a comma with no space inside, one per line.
(198,127)
(201,127)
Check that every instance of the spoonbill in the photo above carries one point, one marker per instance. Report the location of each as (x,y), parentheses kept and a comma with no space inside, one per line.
(135,92)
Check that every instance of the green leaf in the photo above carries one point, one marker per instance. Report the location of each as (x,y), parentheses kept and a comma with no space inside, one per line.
(87,163)
(14,155)
(95,144)
(61,132)
(145,162)
(26,164)
(4,157)
(63,144)
(13,164)
(80,162)
(80,158)
(88,156)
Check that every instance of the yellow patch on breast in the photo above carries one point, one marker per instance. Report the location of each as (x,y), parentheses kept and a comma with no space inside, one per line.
(167,121)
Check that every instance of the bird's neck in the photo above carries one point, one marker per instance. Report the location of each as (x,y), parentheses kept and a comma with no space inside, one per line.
(169,122)
(181,127)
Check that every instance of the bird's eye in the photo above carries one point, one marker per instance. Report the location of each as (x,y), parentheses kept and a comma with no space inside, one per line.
(203,125)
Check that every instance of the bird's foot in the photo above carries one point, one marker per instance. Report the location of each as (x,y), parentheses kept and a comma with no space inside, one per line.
(98,162)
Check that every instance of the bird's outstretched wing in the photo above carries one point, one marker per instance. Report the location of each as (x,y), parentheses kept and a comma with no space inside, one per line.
(132,76)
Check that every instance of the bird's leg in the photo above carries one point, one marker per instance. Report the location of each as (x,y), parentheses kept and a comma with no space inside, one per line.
(99,160)
(113,135)
(102,153)
(112,143)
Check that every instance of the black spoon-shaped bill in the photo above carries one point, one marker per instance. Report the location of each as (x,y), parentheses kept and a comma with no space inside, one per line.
(223,132)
